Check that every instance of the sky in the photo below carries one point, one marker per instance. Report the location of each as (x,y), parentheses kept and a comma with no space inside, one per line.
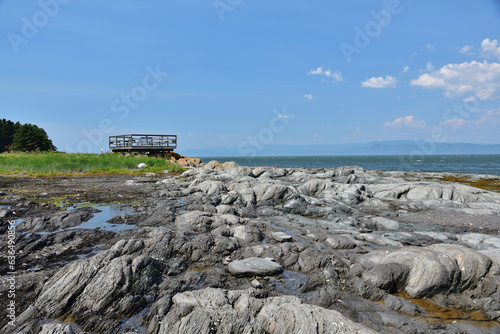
(241,73)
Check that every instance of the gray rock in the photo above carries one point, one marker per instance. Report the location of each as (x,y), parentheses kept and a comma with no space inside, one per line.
(271,193)
(247,233)
(402,305)
(390,277)
(378,240)
(341,242)
(61,328)
(440,194)
(255,283)
(429,270)
(142,165)
(480,241)
(4,213)
(212,187)
(224,209)
(244,192)
(258,171)
(197,221)
(281,236)
(254,266)
(386,224)
(215,310)
(189,173)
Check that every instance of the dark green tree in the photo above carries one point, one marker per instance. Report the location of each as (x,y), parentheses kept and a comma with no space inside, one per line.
(31,138)
(7,131)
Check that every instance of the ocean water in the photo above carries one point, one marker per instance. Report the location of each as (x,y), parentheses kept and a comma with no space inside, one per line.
(468,164)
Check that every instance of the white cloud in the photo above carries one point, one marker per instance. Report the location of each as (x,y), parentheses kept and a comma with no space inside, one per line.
(308,96)
(470,78)
(429,66)
(406,68)
(470,99)
(453,123)
(466,49)
(282,116)
(380,82)
(492,112)
(490,49)
(337,75)
(489,118)
(409,121)
(430,47)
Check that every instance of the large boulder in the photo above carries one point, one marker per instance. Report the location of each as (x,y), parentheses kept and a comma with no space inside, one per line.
(212,187)
(242,311)
(271,193)
(426,271)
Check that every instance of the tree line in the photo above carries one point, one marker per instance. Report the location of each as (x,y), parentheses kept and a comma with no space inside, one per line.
(23,137)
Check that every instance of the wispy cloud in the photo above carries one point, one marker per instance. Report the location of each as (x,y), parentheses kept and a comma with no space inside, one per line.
(490,118)
(308,96)
(466,49)
(453,123)
(380,82)
(408,121)
(337,75)
(430,47)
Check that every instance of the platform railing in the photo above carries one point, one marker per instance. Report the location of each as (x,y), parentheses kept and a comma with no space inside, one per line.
(142,142)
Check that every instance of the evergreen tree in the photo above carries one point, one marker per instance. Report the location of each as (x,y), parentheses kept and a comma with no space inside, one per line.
(7,131)
(31,138)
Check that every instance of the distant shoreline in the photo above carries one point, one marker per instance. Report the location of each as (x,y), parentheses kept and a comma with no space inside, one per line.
(451,163)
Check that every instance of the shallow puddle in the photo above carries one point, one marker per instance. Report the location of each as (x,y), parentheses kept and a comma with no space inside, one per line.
(93,252)
(134,325)
(290,282)
(278,227)
(99,220)
(436,313)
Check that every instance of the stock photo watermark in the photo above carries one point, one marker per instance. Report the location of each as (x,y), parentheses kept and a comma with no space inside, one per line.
(278,123)
(459,111)
(31,25)
(122,106)
(371,30)
(223,6)
(11,274)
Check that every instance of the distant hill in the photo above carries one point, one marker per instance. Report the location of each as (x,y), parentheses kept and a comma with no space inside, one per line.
(397,147)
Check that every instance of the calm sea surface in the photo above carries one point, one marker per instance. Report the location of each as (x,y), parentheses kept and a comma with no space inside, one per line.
(469,164)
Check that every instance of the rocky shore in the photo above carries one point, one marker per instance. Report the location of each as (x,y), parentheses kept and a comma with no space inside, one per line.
(224,248)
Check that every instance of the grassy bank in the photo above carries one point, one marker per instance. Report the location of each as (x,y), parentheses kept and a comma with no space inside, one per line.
(55,163)
(491,184)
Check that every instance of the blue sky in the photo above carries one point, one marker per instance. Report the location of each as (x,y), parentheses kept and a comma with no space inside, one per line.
(240,73)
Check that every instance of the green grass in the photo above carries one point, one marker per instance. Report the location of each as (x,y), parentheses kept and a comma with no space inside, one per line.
(491,185)
(56,163)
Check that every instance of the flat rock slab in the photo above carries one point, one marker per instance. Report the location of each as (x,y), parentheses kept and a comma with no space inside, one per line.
(386,224)
(254,266)
(281,236)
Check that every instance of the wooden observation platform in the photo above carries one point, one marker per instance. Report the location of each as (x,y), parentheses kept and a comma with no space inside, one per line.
(135,143)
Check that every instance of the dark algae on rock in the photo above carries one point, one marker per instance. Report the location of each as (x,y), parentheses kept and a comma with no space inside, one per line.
(224,248)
